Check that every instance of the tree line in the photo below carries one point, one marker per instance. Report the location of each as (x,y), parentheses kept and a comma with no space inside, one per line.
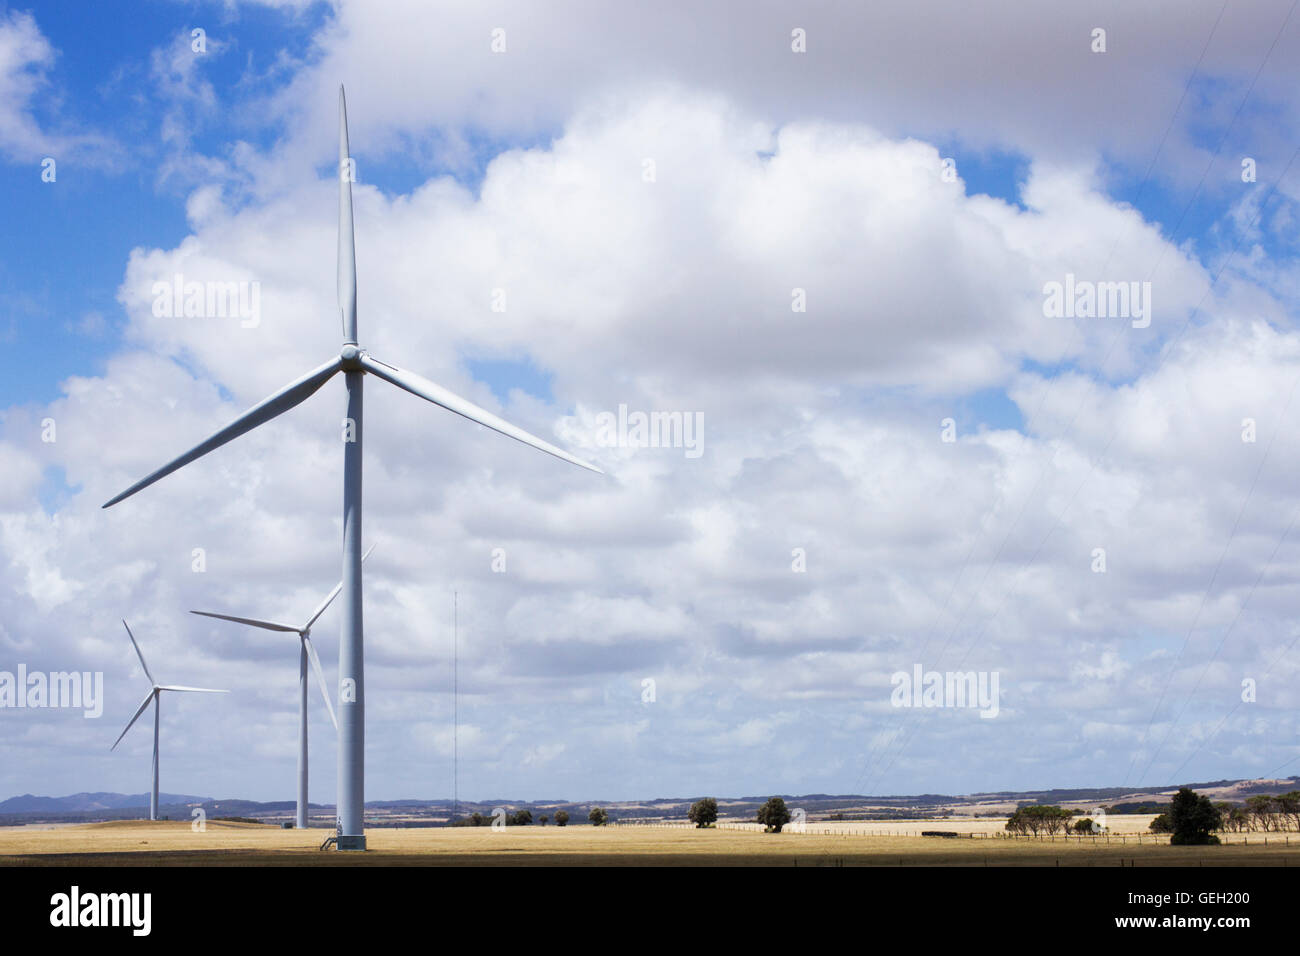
(1262,812)
(597,817)
(1191,818)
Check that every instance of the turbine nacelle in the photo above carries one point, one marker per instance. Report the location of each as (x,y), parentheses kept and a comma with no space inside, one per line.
(155,692)
(351,358)
(304,637)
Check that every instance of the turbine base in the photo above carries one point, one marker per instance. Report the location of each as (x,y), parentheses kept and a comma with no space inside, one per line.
(350,842)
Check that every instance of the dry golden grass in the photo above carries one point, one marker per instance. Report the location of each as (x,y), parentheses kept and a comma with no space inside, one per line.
(1118,824)
(130,843)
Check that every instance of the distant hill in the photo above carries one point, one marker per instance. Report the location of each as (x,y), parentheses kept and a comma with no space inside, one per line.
(90,802)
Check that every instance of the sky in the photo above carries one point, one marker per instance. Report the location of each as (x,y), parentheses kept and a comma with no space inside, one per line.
(825,235)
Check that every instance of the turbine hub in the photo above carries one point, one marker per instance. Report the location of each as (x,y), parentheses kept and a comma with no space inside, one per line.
(351,356)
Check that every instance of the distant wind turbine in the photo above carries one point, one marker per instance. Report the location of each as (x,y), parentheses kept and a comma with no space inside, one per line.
(154,696)
(306,651)
(354,363)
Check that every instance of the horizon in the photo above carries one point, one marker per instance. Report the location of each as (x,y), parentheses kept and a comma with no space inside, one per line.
(288,802)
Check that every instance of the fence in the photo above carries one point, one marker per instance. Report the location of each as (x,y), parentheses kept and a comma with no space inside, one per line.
(1096,839)
(661,824)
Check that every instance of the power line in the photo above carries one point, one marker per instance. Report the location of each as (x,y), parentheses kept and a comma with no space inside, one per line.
(1186,640)
(1167,352)
(1240,610)
(1205,598)
(1043,397)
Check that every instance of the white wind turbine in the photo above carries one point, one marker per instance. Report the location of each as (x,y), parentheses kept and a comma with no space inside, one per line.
(354,362)
(306,651)
(154,697)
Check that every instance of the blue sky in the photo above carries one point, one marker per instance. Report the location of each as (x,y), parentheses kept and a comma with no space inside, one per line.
(67,262)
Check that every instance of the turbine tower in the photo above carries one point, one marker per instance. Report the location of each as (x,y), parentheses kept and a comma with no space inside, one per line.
(154,695)
(306,651)
(354,362)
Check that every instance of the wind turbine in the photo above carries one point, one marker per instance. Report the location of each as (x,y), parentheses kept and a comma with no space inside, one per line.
(354,362)
(306,651)
(154,695)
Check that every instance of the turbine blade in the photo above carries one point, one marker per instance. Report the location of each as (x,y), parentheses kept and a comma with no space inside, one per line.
(138,654)
(195,690)
(347,262)
(320,679)
(292,394)
(143,705)
(269,625)
(320,609)
(454,403)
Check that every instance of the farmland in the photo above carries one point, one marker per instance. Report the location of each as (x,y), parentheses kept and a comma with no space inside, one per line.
(139,843)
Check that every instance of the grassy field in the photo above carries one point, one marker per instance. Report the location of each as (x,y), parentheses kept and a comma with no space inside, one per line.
(131,843)
(1119,824)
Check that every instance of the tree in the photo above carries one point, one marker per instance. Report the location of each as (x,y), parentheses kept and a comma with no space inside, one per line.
(1039,820)
(477,819)
(561,817)
(1161,824)
(1194,819)
(1053,819)
(522,818)
(542,819)
(1288,807)
(704,813)
(1263,811)
(1082,825)
(598,817)
(1234,817)
(773,815)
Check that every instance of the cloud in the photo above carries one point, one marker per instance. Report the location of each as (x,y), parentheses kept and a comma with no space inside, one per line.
(26,58)
(822,432)
(961,72)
